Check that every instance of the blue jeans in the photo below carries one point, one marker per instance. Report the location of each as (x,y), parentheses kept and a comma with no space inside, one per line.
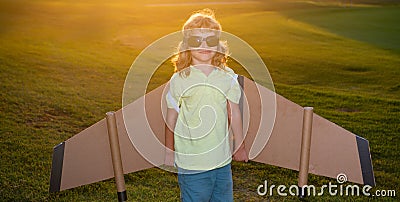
(213,185)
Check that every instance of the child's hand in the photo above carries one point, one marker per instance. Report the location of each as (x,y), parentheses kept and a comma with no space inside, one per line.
(241,154)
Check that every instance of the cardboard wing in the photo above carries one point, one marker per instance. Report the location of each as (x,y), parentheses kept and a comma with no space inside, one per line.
(86,157)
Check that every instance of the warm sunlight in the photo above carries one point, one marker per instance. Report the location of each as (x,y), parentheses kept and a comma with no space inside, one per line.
(63,66)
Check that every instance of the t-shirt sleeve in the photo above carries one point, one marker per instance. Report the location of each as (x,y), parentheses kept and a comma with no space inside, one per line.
(172,97)
(234,92)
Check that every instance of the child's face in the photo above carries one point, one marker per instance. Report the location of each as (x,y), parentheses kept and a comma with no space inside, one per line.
(203,46)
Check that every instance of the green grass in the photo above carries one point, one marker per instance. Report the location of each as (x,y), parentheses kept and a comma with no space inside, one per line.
(63,65)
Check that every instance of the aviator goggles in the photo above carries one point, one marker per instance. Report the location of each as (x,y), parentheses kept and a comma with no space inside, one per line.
(196,41)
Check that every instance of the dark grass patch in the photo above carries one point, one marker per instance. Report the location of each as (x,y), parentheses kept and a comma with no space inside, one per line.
(348,110)
(356,69)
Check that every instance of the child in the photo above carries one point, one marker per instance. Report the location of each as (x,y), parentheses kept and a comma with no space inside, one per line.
(203,91)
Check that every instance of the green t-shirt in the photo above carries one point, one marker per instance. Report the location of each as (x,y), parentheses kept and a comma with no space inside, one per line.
(201,136)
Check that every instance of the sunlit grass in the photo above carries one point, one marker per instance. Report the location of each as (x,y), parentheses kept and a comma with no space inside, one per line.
(63,65)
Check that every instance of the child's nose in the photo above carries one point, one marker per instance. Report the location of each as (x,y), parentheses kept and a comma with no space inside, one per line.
(203,44)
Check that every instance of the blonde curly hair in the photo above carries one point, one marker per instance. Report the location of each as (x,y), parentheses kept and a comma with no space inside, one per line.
(200,19)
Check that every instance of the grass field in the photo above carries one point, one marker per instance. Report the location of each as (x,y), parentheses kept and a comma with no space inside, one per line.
(63,65)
